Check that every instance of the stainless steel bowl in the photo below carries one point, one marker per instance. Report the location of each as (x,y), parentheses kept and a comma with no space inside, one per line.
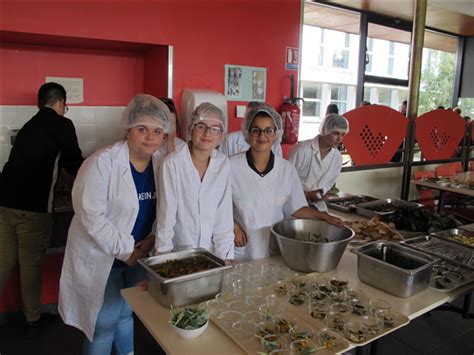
(308,256)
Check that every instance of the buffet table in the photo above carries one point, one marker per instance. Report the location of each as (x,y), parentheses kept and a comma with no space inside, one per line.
(214,341)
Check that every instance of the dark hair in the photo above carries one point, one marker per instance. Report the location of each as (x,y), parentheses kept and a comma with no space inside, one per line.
(332,108)
(364,103)
(253,104)
(171,106)
(405,102)
(50,93)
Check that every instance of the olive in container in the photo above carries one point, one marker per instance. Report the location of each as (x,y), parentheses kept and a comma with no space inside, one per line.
(185,277)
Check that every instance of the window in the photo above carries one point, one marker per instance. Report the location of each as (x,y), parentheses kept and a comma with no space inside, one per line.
(320,60)
(340,57)
(339,97)
(312,100)
(391,51)
(385,96)
(369,55)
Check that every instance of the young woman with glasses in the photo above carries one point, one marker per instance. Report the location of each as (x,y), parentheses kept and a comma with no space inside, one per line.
(195,191)
(265,188)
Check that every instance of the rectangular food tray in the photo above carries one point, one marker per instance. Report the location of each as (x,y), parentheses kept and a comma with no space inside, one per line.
(366,208)
(336,203)
(450,233)
(443,248)
(394,268)
(444,270)
(186,289)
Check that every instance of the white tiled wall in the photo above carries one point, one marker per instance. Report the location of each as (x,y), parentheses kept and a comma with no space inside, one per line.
(96,126)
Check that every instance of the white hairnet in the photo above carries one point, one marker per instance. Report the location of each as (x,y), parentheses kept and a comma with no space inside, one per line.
(262,108)
(207,111)
(333,122)
(146,105)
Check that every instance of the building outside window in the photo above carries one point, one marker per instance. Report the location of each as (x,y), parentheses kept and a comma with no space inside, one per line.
(312,101)
(339,97)
(369,55)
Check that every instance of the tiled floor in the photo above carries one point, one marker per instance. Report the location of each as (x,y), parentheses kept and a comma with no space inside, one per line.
(436,333)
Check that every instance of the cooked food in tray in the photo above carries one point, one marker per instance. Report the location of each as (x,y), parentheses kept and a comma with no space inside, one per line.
(186,266)
(420,220)
(351,201)
(374,229)
(464,239)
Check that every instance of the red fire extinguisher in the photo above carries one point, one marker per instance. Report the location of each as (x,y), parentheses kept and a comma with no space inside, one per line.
(290,114)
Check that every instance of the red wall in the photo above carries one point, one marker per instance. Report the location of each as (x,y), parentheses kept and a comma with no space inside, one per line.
(206,34)
(24,68)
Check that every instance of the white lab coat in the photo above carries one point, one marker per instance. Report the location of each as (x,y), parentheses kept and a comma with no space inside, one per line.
(260,202)
(315,173)
(163,151)
(106,206)
(234,143)
(195,213)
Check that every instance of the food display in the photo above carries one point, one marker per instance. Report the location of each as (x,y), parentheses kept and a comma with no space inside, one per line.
(347,204)
(174,268)
(374,229)
(420,220)
(189,318)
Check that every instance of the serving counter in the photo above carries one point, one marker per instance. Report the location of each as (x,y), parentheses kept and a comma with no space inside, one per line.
(214,341)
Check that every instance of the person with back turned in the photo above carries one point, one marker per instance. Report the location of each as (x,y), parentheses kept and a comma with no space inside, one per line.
(46,143)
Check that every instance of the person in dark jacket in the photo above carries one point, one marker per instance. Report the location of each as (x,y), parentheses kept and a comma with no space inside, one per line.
(45,144)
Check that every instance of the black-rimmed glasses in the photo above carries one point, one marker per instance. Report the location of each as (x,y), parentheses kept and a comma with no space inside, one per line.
(267,132)
(202,128)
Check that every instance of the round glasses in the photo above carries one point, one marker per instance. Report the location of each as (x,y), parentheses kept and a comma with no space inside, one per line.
(202,128)
(66,108)
(267,132)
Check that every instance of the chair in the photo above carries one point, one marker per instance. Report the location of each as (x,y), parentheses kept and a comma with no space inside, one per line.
(427,197)
(445,170)
(471,166)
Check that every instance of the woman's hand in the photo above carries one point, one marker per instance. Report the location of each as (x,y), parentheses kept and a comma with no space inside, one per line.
(146,245)
(333,220)
(240,239)
(314,195)
(136,254)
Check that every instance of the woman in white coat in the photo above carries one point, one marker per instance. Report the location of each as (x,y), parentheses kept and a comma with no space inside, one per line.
(114,200)
(318,161)
(195,191)
(265,188)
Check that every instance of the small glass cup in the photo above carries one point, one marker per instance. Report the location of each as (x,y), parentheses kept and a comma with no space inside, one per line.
(339,283)
(230,278)
(300,282)
(256,280)
(272,342)
(373,324)
(281,288)
(244,331)
(341,308)
(359,307)
(319,280)
(271,312)
(227,318)
(338,296)
(245,269)
(303,346)
(216,307)
(283,272)
(318,296)
(326,288)
(355,332)
(297,297)
(254,316)
(319,310)
(255,301)
(239,306)
(241,287)
(285,323)
(299,332)
(267,327)
(268,269)
(358,294)
(379,305)
(388,318)
(336,321)
(327,338)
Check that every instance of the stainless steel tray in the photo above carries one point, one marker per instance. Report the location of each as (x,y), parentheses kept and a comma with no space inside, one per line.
(450,233)
(366,209)
(394,268)
(443,248)
(344,204)
(186,289)
(446,276)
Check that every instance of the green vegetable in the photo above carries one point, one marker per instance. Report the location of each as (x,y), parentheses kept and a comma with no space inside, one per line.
(189,318)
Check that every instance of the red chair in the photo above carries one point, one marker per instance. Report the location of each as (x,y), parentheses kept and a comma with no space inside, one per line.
(445,170)
(427,197)
(471,165)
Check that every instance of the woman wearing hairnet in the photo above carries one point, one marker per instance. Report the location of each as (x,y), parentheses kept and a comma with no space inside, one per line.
(265,188)
(114,200)
(195,191)
(318,161)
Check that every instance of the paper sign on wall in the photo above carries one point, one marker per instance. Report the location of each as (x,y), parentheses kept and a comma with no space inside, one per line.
(245,83)
(74,88)
(292,57)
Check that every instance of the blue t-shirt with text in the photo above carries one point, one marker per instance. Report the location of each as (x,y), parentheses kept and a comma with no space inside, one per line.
(146,190)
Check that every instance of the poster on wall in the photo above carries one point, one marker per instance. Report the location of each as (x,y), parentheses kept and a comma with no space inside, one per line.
(74,88)
(292,56)
(244,83)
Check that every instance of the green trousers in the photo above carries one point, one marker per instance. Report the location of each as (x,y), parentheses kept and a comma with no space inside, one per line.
(24,236)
